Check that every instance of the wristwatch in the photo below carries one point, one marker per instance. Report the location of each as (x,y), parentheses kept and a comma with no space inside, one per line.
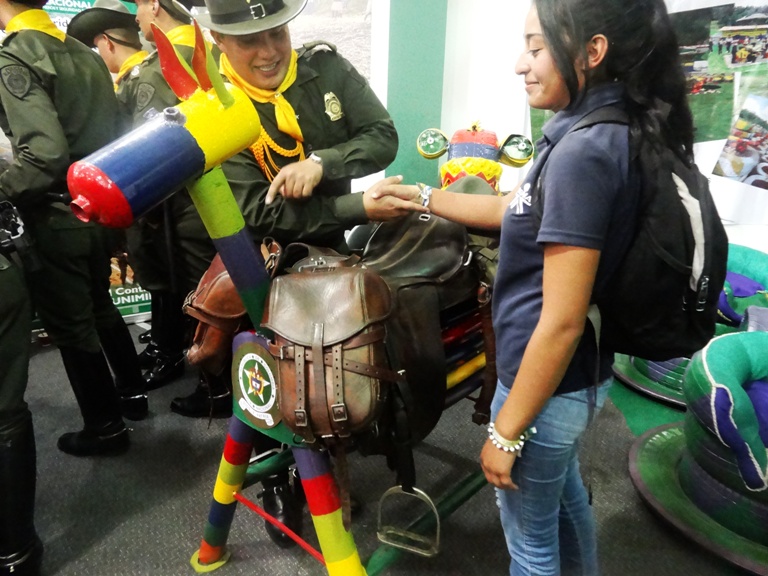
(315,158)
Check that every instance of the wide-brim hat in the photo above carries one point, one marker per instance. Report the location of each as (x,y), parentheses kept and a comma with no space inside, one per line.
(178,9)
(240,17)
(654,460)
(649,382)
(104,15)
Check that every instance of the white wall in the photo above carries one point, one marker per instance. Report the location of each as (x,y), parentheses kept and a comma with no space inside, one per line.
(484,39)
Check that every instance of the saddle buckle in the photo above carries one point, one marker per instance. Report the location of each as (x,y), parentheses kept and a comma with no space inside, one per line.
(339,412)
(407,538)
(301,417)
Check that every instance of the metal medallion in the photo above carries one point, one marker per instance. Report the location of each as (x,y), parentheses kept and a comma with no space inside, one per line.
(333,107)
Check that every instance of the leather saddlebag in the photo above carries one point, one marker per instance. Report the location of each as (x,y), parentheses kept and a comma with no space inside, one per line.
(221,314)
(328,324)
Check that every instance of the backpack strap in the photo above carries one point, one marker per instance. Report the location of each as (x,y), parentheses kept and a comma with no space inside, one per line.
(604,115)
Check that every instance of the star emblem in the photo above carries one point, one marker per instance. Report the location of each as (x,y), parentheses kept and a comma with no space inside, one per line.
(256,382)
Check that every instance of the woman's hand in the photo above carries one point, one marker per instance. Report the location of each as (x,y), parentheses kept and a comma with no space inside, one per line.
(392,187)
(389,200)
(497,466)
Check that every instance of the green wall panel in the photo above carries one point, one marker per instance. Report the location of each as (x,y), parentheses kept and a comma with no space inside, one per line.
(415,83)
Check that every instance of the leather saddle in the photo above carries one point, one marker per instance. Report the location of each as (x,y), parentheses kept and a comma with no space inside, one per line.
(424,259)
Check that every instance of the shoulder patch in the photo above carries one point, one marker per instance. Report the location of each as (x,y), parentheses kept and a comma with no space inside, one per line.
(317,46)
(144,94)
(16,80)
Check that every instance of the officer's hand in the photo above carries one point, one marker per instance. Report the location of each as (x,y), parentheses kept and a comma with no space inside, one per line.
(295,181)
(388,187)
(388,200)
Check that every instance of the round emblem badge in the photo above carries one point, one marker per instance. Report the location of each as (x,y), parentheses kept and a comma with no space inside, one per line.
(256,385)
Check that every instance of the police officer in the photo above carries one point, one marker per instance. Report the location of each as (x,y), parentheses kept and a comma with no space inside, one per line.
(20,548)
(57,105)
(169,249)
(322,126)
(110,28)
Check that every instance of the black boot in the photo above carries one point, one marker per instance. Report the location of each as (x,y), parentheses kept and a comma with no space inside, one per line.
(212,398)
(104,432)
(148,356)
(164,362)
(281,503)
(118,347)
(145,337)
(21,551)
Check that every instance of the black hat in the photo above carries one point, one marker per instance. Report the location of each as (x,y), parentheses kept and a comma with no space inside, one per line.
(104,15)
(240,17)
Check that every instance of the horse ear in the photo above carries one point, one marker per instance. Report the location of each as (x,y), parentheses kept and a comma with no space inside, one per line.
(432,143)
(516,151)
(175,71)
(199,60)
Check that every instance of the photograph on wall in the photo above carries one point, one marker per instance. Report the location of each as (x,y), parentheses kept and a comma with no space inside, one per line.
(745,155)
(710,78)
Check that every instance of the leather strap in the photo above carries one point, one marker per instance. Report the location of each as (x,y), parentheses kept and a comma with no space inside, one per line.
(301,414)
(339,451)
(318,368)
(375,333)
(482,413)
(338,409)
(385,374)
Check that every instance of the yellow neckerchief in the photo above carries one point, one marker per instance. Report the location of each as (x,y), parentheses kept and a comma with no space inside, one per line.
(183,35)
(34,20)
(132,60)
(284,113)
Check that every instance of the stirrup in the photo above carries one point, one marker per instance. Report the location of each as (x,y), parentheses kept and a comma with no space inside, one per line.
(407,539)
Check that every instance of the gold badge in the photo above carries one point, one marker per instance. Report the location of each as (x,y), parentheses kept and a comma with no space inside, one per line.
(333,107)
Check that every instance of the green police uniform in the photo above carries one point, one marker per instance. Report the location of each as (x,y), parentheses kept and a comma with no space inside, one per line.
(57,106)
(19,546)
(140,94)
(345,124)
(15,327)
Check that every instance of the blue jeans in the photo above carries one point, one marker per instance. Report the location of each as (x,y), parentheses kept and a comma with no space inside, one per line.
(548,522)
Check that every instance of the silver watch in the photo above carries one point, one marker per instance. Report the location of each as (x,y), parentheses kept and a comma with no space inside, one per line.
(315,158)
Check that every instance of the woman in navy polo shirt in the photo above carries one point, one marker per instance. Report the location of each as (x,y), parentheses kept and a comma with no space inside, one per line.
(580,55)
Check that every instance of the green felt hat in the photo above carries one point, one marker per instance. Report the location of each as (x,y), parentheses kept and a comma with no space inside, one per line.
(241,17)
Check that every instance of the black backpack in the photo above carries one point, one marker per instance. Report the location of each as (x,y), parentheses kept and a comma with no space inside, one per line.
(661,302)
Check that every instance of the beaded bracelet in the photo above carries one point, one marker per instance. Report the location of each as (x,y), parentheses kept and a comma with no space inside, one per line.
(508,445)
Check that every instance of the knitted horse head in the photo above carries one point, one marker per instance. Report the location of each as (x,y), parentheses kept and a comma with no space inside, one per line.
(474,152)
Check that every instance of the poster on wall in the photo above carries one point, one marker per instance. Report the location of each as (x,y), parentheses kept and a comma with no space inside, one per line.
(724,52)
(62,11)
(724,49)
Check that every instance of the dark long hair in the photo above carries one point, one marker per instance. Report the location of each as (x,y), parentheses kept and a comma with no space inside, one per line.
(642,53)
